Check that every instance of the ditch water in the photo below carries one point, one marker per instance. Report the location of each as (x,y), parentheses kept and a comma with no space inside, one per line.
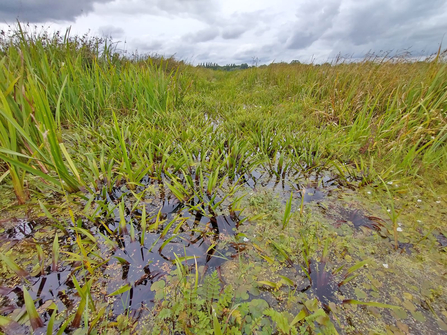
(187,232)
(203,238)
(323,283)
(192,236)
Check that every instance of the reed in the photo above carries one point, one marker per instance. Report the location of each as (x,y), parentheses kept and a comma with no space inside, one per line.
(154,146)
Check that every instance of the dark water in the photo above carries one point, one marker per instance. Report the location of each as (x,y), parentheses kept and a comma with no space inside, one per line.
(200,237)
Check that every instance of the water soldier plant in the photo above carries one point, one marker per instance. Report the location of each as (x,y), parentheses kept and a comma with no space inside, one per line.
(146,195)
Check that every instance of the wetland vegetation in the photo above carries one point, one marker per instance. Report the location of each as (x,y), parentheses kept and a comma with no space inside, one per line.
(145,195)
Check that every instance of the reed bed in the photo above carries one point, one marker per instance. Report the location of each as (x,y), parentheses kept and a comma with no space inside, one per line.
(80,120)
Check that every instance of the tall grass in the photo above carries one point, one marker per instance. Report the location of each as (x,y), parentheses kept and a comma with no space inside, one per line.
(77,115)
(53,82)
(392,109)
(59,94)
(30,137)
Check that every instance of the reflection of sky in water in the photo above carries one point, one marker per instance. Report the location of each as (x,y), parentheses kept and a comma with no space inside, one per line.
(442,239)
(48,287)
(358,219)
(22,229)
(200,236)
(145,263)
(316,186)
(312,194)
(323,283)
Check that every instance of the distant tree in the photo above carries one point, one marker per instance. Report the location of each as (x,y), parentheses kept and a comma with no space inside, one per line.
(295,61)
(227,67)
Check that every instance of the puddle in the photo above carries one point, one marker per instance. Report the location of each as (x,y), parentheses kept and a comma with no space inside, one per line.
(54,287)
(312,194)
(316,187)
(442,240)
(261,178)
(406,247)
(203,240)
(171,206)
(187,234)
(323,283)
(191,235)
(21,229)
(358,219)
(190,232)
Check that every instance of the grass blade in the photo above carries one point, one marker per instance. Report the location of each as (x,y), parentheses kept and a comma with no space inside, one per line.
(34,318)
(13,266)
(287,214)
(55,253)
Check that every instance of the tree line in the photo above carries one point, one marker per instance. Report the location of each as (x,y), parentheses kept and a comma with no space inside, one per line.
(228,67)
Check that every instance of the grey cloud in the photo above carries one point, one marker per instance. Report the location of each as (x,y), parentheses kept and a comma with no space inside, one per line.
(201,10)
(233,28)
(313,20)
(238,24)
(149,46)
(372,21)
(261,31)
(321,29)
(428,36)
(203,35)
(318,31)
(388,26)
(45,10)
(233,32)
(260,54)
(111,31)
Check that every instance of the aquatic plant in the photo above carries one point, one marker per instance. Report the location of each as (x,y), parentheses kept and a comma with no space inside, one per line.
(150,184)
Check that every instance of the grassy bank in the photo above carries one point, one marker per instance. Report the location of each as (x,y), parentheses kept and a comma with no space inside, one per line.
(147,195)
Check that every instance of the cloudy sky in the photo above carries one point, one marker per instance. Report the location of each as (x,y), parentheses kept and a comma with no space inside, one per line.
(239,31)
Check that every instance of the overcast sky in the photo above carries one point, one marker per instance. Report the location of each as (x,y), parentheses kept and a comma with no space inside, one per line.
(230,31)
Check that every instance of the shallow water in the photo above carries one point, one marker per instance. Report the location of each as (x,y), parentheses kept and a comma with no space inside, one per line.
(205,238)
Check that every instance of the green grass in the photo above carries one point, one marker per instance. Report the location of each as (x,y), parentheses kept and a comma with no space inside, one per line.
(78,122)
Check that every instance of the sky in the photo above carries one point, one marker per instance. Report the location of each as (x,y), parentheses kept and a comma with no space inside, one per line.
(246,31)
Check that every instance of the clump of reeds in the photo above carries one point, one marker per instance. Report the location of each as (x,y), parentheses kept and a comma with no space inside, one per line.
(53,81)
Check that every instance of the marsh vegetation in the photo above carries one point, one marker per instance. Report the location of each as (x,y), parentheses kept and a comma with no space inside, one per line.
(146,195)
